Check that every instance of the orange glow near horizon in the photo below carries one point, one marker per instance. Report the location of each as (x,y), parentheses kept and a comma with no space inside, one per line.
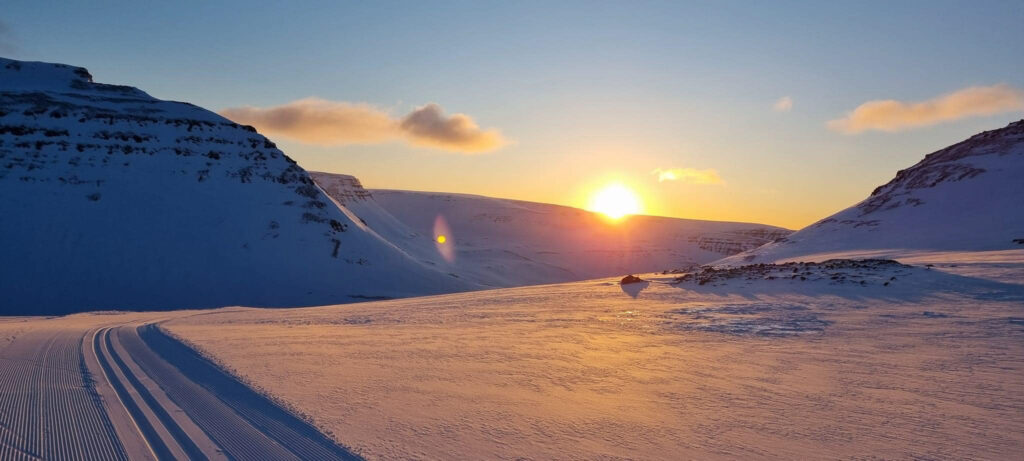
(615,201)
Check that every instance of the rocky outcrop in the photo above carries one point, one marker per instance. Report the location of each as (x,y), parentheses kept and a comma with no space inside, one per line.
(346,189)
(738,241)
(943,166)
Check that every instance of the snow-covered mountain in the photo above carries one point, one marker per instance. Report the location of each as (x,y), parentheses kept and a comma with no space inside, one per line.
(499,242)
(110,198)
(966,197)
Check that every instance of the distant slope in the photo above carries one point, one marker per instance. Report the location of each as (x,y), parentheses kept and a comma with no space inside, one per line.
(501,242)
(966,197)
(110,198)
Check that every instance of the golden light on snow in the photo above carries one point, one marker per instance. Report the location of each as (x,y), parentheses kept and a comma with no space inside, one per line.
(615,201)
(441,239)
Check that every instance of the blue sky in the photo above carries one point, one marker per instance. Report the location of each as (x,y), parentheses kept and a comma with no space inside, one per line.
(586,93)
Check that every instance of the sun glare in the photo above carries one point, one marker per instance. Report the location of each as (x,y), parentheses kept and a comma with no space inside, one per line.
(615,201)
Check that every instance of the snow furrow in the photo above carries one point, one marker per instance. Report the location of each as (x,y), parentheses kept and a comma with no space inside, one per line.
(156,444)
(246,424)
(239,439)
(49,408)
(163,418)
(52,379)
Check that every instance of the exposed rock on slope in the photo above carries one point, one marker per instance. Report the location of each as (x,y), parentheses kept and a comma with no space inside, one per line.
(110,198)
(346,189)
(966,197)
(732,242)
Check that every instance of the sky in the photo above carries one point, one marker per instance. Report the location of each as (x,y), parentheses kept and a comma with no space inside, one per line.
(772,112)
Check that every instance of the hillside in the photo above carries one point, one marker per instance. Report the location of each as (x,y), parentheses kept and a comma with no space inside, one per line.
(967,197)
(500,242)
(112,199)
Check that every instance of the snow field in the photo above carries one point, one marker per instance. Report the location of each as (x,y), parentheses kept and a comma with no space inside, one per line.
(925,368)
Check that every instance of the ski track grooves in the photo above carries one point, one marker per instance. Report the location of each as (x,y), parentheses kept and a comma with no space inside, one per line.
(160,449)
(245,423)
(50,408)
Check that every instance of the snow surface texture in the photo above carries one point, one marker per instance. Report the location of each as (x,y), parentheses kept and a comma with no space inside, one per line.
(966,197)
(504,243)
(114,387)
(914,363)
(110,198)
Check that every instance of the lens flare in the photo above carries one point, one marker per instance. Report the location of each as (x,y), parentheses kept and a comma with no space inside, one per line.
(443,239)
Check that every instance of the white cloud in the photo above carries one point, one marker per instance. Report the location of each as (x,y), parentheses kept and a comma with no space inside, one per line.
(319,121)
(891,115)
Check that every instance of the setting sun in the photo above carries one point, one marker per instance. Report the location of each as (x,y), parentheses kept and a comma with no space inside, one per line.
(615,201)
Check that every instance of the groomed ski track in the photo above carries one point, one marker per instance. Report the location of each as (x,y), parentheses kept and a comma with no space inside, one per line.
(130,391)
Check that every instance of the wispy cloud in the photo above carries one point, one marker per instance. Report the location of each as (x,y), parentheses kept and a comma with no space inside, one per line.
(784,104)
(891,115)
(690,175)
(319,121)
(6,39)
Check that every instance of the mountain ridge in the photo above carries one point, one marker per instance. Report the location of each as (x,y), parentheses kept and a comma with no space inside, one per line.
(964,197)
(505,242)
(96,182)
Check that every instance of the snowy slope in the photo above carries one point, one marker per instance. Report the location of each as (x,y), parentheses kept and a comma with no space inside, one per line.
(501,242)
(966,197)
(110,198)
(928,365)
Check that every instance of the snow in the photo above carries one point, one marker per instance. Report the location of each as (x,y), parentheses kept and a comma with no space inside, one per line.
(504,243)
(966,197)
(894,329)
(928,366)
(112,386)
(111,199)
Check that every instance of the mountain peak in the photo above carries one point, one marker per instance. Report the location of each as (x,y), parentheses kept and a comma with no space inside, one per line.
(965,197)
(950,164)
(122,200)
(34,76)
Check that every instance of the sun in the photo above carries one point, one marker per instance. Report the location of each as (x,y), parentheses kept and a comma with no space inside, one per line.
(615,201)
